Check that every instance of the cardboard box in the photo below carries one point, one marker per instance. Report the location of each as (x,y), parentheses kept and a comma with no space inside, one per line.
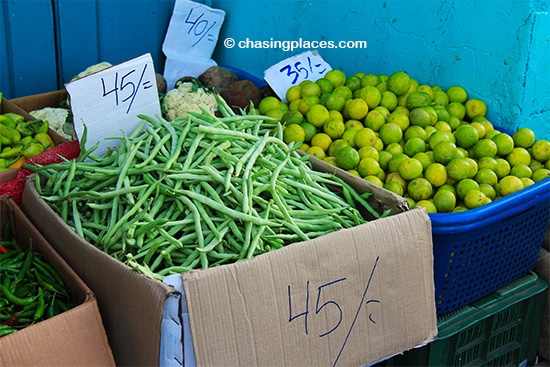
(8,106)
(39,101)
(73,338)
(353,297)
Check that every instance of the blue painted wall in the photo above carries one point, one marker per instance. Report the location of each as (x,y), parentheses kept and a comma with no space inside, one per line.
(45,43)
(499,50)
(27,58)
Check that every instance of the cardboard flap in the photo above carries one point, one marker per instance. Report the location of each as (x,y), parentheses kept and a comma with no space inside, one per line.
(381,199)
(74,338)
(134,325)
(345,299)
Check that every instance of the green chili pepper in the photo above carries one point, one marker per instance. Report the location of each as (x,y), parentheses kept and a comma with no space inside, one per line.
(51,286)
(5,330)
(4,164)
(15,117)
(26,265)
(31,149)
(39,312)
(7,121)
(14,299)
(44,127)
(11,152)
(26,128)
(9,135)
(45,140)
(26,139)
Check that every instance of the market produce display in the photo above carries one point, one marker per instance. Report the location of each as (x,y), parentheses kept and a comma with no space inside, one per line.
(20,140)
(190,93)
(197,192)
(435,147)
(31,289)
(59,119)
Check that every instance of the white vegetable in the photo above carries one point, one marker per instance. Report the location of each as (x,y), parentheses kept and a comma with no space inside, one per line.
(56,118)
(183,99)
(93,69)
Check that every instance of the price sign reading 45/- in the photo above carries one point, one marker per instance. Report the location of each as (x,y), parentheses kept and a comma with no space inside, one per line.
(108,101)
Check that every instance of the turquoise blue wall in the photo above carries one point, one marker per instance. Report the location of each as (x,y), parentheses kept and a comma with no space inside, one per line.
(499,50)
(45,43)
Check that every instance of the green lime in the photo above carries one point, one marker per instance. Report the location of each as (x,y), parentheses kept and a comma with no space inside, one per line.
(444,201)
(347,158)
(466,136)
(428,205)
(410,168)
(420,189)
(390,133)
(436,173)
(540,150)
(399,83)
(540,174)
(418,99)
(475,198)
(524,137)
(509,185)
(394,187)
(464,186)
(368,167)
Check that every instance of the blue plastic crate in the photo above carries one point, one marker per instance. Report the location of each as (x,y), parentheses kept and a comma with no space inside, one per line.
(481,250)
(243,75)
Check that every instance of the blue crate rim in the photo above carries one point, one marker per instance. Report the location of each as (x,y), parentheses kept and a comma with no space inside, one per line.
(243,75)
(529,196)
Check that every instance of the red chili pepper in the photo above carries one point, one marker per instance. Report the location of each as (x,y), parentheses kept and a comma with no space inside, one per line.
(3,249)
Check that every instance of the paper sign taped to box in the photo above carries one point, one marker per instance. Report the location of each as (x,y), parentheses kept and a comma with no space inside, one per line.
(108,102)
(349,298)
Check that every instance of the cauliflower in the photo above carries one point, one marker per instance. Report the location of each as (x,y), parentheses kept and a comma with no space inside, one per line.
(93,69)
(188,97)
(59,120)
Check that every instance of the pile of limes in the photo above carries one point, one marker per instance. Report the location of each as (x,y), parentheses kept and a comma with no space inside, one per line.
(434,147)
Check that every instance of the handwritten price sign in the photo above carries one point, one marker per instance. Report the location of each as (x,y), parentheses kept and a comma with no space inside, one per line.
(308,65)
(125,87)
(329,309)
(190,40)
(193,29)
(109,101)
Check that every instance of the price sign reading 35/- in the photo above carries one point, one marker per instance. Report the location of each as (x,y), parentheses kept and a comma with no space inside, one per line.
(108,101)
(308,65)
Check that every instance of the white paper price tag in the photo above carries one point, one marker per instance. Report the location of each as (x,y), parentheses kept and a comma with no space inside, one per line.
(190,40)
(308,65)
(108,101)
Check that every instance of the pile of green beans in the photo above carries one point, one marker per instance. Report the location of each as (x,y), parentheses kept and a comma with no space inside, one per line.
(31,290)
(197,192)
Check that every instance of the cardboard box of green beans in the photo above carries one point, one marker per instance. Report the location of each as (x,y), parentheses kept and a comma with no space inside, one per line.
(208,241)
(48,315)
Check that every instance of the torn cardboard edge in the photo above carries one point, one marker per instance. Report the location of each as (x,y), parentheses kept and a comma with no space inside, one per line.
(240,314)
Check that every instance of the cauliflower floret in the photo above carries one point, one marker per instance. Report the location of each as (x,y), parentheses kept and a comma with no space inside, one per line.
(185,98)
(93,69)
(56,118)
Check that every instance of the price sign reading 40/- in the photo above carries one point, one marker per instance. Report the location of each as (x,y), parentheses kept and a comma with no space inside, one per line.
(108,101)
(308,65)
